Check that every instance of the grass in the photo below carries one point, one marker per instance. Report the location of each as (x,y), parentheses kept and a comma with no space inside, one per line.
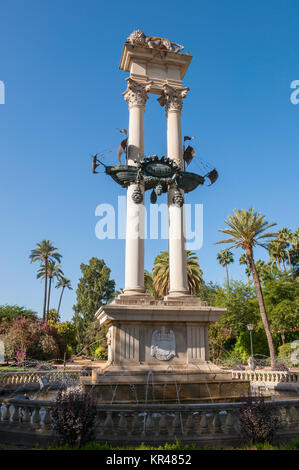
(177,445)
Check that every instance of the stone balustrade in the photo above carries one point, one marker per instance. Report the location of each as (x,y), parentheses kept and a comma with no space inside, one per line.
(267,376)
(24,422)
(11,379)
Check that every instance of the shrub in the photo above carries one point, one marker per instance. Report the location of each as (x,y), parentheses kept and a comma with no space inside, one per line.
(36,340)
(280,367)
(100,353)
(258,420)
(286,353)
(43,367)
(69,351)
(74,417)
(219,337)
(260,345)
(238,367)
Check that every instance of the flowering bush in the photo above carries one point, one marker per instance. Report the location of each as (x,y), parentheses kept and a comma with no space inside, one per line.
(20,356)
(26,338)
(259,420)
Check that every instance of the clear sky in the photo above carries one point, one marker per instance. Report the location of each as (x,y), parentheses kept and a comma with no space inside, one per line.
(59,61)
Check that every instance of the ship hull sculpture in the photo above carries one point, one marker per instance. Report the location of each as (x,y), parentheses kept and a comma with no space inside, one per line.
(163,343)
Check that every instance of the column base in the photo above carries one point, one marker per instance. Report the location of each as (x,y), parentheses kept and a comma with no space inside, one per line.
(178,293)
(134,291)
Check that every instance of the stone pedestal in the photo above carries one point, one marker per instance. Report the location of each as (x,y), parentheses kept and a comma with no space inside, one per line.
(158,334)
(158,351)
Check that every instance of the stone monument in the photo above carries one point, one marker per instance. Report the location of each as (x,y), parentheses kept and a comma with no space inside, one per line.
(165,338)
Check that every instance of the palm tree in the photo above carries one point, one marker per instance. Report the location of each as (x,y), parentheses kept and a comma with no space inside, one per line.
(225,257)
(248,229)
(285,237)
(161,273)
(45,252)
(294,252)
(51,271)
(244,260)
(276,253)
(64,283)
(149,284)
(194,273)
(295,239)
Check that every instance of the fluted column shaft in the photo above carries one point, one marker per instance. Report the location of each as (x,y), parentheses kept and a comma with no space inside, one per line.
(136,95)
(178,280)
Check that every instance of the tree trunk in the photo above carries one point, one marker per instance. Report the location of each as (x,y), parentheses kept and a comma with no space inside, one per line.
(289,259)
(283,338)
(46,282)
(49,294)
(284,266)
(58,310)
(227,278)
(260,298)
(278,264)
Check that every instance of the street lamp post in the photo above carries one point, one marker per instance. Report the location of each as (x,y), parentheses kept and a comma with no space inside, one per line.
(250,328)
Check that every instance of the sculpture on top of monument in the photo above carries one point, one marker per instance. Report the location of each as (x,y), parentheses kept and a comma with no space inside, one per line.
(138,38)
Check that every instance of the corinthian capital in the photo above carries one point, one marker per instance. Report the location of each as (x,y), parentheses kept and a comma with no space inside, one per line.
(136,92)
(172,98)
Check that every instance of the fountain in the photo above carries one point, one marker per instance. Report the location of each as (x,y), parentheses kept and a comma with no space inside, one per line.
(146,336)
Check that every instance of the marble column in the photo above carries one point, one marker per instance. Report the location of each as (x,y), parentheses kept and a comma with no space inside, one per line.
(172,99)
(136,96)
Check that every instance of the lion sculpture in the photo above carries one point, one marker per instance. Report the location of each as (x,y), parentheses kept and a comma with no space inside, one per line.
(138,38)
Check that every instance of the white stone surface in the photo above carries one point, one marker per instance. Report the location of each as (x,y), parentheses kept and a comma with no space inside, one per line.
(136,96)
(163,344)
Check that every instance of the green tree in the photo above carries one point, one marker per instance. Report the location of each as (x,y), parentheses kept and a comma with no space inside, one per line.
(277,253)
(285,236)
(248,229)
(285,317)
(264,270)
(161,273)
(282,302)
(207,292)
(241,306)
(53,317)
(218,338)
(294,252)
(243,260)
(62,283)
(148,283)
(43,253)
(51,271)
(9,312)
(95,288)
(225,257)
(67,331)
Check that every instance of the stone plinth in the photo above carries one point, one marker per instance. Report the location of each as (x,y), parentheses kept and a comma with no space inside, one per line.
(158,352)
(158,334)
(159,67)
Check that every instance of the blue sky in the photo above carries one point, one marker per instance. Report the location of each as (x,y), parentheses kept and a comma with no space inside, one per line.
(59,62)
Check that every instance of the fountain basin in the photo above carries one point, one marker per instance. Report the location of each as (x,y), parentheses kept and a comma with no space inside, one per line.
(170,386)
